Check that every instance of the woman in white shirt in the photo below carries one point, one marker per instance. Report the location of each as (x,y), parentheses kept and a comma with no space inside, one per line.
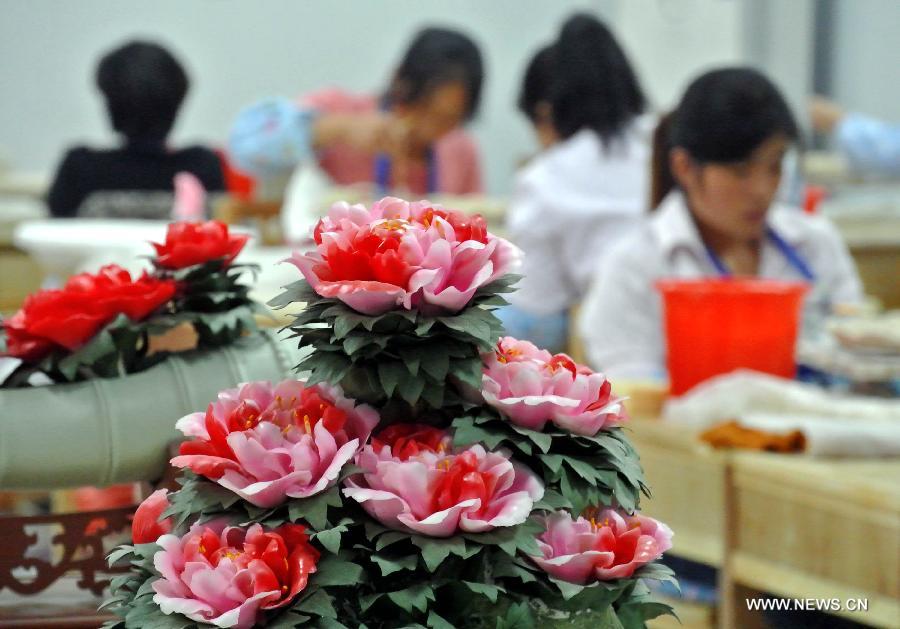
(588,186)
(717,169)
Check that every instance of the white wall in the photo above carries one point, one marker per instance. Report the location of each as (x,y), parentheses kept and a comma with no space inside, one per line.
(867,56)
(238,51)
(779,40)
(672,41)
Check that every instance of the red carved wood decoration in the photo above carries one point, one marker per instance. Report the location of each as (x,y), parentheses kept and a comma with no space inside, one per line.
(79,547)
(70,544)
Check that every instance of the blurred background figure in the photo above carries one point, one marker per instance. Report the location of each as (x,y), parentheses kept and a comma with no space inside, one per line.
(871,146)
(143,86)
(534,97)
(590,183)
(717,169)
(407,139)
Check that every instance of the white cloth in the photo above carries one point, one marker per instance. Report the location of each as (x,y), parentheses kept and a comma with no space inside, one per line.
(303,202)
(832,425)
(834,436)
(8,365)
(568,205)
(732,395)
(621,319)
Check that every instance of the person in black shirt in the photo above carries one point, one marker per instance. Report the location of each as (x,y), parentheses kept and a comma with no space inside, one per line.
(144,86)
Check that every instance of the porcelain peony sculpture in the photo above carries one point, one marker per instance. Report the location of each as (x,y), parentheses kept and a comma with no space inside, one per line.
(424,470)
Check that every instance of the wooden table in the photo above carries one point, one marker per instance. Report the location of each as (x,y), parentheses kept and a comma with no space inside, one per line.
(813,528)
(790,525)
(19,273)
(873,237)
(33,184)
(878,264)
(19,277)
(687,480)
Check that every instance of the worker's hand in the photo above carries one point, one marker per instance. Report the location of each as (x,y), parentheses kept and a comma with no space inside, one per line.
(375,132)
(824,114)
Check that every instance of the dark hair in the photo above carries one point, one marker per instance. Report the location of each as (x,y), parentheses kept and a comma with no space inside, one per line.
(723,117)
(435,57)
(537,84)
(661,179)
(144,86)
(595,86)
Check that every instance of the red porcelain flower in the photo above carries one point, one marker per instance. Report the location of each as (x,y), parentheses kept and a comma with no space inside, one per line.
(188,244)
(68,318)
(117,293)
(440,493)
(604,544)
(51,319)
(146,526)
(403,255)
(228,576)
(531,387)
(270,443)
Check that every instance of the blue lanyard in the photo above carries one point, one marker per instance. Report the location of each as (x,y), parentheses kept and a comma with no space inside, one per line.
(383,172)
(790,254)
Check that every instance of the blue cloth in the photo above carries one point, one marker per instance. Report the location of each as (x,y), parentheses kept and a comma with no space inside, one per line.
(698,582)
(870,145)
(271,137)
(550,332)
(382,174)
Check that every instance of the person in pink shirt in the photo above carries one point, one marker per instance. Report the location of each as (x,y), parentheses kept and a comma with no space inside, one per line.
(408,139)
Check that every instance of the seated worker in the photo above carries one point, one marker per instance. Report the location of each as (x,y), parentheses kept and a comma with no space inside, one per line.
(144,86)
(590,184)
(408,139)
(871,146)
(717,169)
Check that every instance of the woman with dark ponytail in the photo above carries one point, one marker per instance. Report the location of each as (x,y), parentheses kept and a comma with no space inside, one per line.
(588,186)
(717,168)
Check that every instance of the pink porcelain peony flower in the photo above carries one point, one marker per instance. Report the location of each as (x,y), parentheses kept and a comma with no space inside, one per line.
(607,545)
(227,576)
(531,387)
(438,494)
(146,526)
(268,444)
(403,255)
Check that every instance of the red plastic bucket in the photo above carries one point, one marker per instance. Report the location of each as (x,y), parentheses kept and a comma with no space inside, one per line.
(714,326)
